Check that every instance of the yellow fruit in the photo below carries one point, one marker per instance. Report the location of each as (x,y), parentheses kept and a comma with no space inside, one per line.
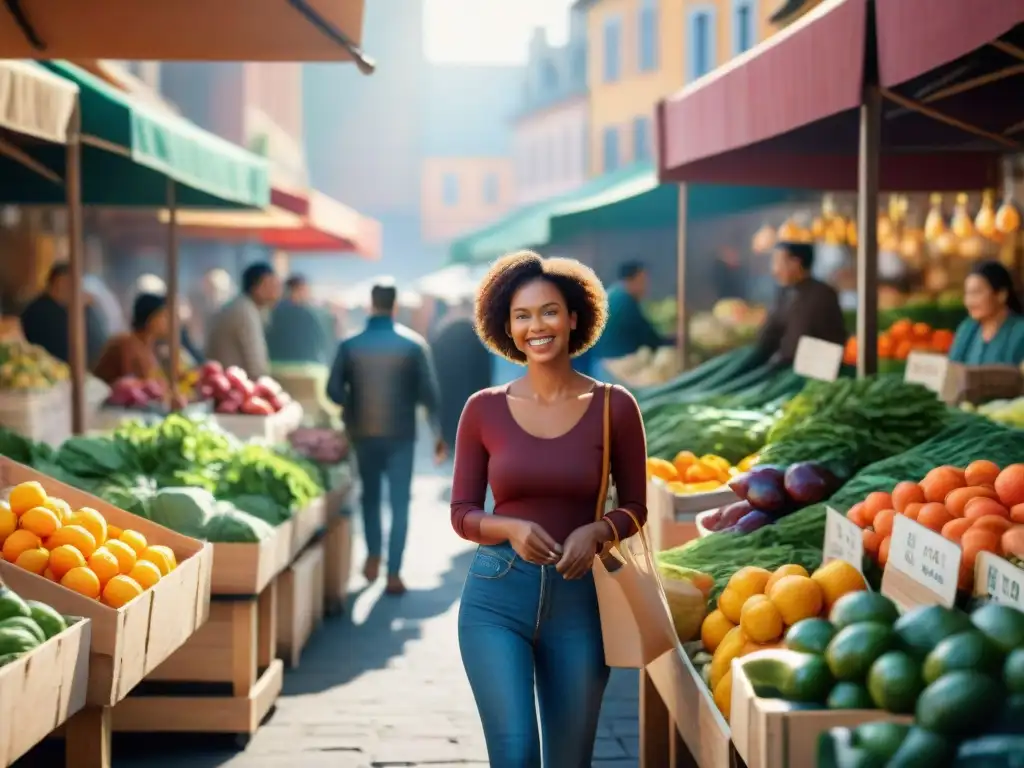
(729,649)
(723,694)
(104,564)
(49,574)
(34,560)
(716,461)
(761,620)
(714,629)
(92,521)
(64,558)
(730,603)
(135,540)
(125,555)
(163,558)
(60,507)
(781,572)
(836,579)
(43,522)
(18,542)
(797,598)
(24,496)
(113,532)
(76,536)
(83,581)
(121,590)
(750,580)
(8,522)
(146,574)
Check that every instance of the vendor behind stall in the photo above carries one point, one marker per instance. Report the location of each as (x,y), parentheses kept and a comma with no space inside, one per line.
(993,334)
(45,320)
(297,331)
(627,329)
(804,306)
(237,335)
(134,353)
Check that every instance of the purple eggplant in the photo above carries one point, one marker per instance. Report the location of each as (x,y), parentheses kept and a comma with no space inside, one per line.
(712,521)
(808,482)
(767,492)
(738,484)
(732,514)
(751,521)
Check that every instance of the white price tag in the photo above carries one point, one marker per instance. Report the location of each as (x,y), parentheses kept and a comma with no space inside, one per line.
(817,359)
(843,540)
(926,558)
(1003,582)
(935,372)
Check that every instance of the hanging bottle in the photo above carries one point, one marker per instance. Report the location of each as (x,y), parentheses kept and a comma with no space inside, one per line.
(961,223)
(934,223)
(985,221)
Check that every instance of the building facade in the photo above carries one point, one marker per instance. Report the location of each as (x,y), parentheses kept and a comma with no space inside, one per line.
(640,51)
(550,131)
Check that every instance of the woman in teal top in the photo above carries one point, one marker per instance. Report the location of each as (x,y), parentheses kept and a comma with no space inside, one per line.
(993,334)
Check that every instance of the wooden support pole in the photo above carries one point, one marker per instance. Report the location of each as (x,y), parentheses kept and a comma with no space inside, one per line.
(867,231)
(77,350)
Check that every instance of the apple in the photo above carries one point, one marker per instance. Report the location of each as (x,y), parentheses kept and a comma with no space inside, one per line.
(257,406)
(210,368)
(220,385)
(229,406)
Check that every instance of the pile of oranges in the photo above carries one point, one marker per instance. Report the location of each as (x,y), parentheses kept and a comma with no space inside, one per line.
(78,549)
(902,338)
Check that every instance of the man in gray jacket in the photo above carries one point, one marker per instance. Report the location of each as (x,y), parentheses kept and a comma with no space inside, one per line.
(379,377)
(236,335)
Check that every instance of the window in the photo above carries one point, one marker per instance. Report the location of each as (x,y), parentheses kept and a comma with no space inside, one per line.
(491,189)
(611,149)
(701,41)
(744,26)
(549,77)
(647,28)
(450,189)
(641,138)
(612,49)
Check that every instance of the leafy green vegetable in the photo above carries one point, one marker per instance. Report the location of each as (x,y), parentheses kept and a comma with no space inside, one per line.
(237,527)
(264,508)
(185,510)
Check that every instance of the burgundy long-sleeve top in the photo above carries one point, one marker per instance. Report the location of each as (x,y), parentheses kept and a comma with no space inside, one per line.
(551,481)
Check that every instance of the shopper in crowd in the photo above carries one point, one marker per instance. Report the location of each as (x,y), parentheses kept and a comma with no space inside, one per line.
(804,306)
(379,377)
(628,328)
(236,334)
(463,364)
(135,353)
(297,332)
(993,333)
(529,628)
(45,320)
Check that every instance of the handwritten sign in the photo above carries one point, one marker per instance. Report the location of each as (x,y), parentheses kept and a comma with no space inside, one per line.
(930,563)
(1003,582)
(935,372)
(843,540)
(817,359)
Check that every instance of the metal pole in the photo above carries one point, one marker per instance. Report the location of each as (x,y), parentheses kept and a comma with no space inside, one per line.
(77,352)
(682,323)
(172,287)
(867,231)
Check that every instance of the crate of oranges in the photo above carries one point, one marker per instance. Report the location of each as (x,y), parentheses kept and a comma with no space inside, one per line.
(146,588)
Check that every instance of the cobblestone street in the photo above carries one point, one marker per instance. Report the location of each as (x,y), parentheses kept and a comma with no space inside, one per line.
(383,686)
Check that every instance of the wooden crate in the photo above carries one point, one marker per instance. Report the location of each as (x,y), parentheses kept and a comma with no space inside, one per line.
(337,563)
(308,523)
(273,429)
(42,689)
(43,416)
(247,569)
(300,603)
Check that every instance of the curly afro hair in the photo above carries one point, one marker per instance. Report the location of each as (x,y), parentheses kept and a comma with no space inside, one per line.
(580,287)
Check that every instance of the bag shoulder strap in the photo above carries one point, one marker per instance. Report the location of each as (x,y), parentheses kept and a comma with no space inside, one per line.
(606,451)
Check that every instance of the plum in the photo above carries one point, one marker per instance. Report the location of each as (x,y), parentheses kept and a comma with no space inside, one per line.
(732,514)
(752,521)
(766,491)
(808,482)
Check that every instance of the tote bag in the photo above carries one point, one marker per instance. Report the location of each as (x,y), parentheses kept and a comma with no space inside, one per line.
(635,620)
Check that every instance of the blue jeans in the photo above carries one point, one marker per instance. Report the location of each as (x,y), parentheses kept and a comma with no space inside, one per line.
(524,629)
(380,457)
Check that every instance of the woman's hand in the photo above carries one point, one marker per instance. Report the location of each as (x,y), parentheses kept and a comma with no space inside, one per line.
(581,547)
(532,543)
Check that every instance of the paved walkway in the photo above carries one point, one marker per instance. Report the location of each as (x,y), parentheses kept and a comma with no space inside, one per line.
(383,686)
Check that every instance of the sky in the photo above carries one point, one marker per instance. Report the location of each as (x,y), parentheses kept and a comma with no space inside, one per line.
(489,31)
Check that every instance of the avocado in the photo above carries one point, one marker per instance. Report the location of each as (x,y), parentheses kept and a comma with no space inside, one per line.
(881,738)
(894,682)
(1011,717)
(959,703)
(857,607)
(849,696)
(854,649)
(1013,671)
(810,636)
(922,749)
(1001,624)
(921,630)
(969,650)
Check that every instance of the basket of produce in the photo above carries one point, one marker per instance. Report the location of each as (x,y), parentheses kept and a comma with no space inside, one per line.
(693,484)
(35,396)
(247,408)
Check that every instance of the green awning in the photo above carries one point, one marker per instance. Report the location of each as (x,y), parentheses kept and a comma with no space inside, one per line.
(130,149)
(630,198)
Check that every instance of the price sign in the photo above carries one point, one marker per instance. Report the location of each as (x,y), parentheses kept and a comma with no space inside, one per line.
(1003,582)
(934,372)
(843,540)
(817,359)
(930,563)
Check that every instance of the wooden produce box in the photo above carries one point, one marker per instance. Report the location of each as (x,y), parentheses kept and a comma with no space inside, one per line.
(247,569)
(272,429)
(337,563)
(308,523)
(43,416)
(41,690)
(672,519)
(771,733)
(300,603)
(129,642)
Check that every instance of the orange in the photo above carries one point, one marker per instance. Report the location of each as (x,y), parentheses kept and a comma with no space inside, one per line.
(135,540)
(121,590)
(796,598)
(683,460)
(76,536)
(162,557)
(18,542)
(64,558)
(34,560)
(41,521)
(980,506)
(48,574)
(113,532)
(956,500)
(24,496)
(838,578)
(782,572)
(1009,485)
(906,493)
(855,515)
(934,516)
(83,581)
(938,483)
(146,574)
(8,522)
(104,564)
(981,472)
(956,528)
(92,521)
(883,522)
(61,507)
(874,503)
(125,555)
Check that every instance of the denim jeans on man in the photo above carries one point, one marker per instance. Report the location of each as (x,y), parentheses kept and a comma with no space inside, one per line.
(518,623)
(381,458)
